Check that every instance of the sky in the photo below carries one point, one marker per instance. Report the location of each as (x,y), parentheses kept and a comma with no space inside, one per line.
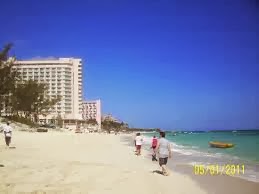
(169,64)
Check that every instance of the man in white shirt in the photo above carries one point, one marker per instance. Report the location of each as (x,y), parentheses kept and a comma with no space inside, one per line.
(8,133)
(139,141)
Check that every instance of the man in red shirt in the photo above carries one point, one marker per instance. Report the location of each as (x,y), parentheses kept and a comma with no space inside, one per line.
(153,146)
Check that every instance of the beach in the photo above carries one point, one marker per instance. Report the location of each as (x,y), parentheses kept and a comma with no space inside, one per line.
(65,162)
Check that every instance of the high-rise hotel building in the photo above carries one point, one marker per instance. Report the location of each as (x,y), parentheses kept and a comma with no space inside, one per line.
(64,78)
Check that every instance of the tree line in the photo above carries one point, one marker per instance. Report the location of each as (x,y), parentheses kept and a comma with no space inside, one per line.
(110,125)
(22,98)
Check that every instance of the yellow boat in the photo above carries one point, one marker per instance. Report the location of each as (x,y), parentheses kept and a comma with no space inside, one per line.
(217,144)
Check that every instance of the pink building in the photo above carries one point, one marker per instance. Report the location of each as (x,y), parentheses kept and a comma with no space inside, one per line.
(92,110)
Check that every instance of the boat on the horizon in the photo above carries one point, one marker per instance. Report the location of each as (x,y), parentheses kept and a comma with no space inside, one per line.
(217,144)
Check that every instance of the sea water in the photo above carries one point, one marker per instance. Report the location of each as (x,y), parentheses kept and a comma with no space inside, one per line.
(192,147)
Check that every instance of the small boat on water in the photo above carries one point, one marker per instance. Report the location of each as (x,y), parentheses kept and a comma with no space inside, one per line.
(216,144)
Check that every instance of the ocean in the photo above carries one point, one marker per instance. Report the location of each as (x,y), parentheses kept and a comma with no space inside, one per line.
(191,147)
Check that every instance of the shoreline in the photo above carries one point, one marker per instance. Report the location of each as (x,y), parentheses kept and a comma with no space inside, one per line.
(199,157)
(218,184)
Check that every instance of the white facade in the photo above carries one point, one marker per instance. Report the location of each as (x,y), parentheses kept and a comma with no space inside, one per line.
(64,77)
(92,110)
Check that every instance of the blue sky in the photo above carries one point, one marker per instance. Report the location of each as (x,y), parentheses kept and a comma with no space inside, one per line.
(173,64)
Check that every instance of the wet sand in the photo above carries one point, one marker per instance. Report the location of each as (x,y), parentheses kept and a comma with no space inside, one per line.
(220,184)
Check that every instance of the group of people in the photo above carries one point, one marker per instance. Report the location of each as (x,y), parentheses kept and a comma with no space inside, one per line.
(160,147)
(7,130)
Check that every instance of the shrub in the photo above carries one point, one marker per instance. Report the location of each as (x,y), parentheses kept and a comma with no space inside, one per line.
(22,120)
(42,130)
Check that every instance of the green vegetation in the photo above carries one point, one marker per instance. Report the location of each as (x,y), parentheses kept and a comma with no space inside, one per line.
(20,119)
(22,100)
(29,97)
(92,122)
(109,126)
(59,121)
(144,130)
(8,76)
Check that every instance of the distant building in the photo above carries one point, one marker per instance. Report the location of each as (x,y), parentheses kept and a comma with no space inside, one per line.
(91,109)
(109,117)
(64,78)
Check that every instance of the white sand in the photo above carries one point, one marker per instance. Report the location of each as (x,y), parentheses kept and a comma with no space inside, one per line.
(82,163)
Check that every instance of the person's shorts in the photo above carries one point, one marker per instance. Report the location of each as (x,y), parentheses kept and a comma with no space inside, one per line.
(163,161)
(138,147)
(153,147)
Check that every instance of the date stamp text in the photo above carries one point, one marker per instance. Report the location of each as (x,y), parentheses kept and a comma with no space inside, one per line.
(215,169)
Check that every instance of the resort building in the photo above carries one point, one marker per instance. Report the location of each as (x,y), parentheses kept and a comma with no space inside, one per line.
(109,117)
(91,109)
(64,78)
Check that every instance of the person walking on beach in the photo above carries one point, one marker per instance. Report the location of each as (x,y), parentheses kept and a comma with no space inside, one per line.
(139,141)
(135,135)
(164,151)
(153,146)
(8,133)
